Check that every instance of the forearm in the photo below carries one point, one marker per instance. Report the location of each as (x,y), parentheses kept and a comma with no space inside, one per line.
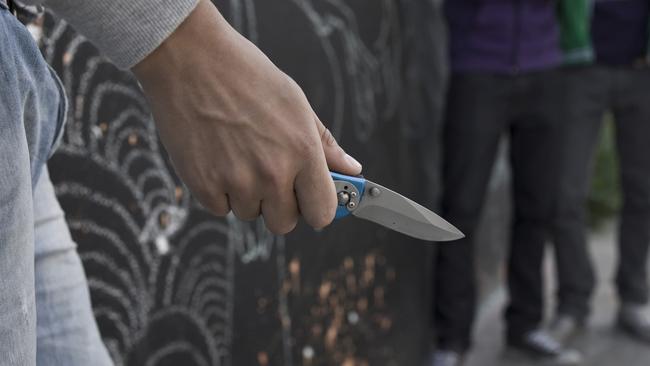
(203,35)
(126,31)
(240,132)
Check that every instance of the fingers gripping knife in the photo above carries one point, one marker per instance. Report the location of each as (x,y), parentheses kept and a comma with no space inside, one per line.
(370,201)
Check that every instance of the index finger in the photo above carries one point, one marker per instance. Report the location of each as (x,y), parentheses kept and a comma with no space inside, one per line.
(315,193)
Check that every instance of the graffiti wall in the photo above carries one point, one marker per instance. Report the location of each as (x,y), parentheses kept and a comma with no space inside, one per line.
(172,285)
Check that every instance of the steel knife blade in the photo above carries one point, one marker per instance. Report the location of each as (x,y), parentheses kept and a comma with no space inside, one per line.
(370,201)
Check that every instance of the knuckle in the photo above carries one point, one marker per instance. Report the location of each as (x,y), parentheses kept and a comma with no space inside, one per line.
(234,184)
(211,199)
(219,210)
(327,138)
(237,211)
(246,214)
(305,148)
(246,207)
(275,177)
(291,92)
(217,206)
(283,227)
(321,223)
(292,86)
(323,218)
(238,181)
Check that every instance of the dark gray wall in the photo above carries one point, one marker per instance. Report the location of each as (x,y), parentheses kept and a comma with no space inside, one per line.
(172,285)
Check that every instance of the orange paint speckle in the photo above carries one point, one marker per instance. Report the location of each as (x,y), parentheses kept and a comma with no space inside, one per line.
(294,267)
(164,219)
(317,330)
(178,193)
(348,263)
(67,58)
(330,336)
(262,358)
(385,323)
(133,139)
(362,304)
(324,290)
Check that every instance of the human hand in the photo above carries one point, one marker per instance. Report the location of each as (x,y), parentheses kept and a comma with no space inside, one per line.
(240,133)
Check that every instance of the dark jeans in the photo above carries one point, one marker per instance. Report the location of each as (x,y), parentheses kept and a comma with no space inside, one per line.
(481,109)
(590,92)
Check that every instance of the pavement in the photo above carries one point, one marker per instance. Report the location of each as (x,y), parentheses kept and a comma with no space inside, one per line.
(601,343)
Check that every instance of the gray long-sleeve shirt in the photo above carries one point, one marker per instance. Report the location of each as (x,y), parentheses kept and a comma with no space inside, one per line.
(124,30)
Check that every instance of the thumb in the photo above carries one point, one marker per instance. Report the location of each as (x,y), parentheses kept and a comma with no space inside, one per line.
(337,159)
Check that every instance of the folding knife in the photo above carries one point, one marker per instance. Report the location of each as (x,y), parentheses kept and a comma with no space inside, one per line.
(370,201)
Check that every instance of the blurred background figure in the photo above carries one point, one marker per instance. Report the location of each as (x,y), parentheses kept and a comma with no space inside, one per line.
(618,80)
(504,59)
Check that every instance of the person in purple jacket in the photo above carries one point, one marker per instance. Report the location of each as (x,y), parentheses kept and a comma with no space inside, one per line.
(619,81)
(505,81)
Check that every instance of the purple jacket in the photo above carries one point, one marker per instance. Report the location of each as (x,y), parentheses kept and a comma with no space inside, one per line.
(503,36)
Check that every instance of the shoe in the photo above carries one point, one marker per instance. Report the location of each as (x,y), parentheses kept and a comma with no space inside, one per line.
(540,346)
(446,358)
(635,321)
(564,328)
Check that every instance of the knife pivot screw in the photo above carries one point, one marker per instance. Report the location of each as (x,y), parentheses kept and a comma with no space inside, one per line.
(343,198)
(374,192)
(353,194)
(352,205)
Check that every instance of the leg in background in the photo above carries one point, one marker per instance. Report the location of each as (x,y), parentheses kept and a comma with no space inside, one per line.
(632,114)
(476,116)
(535,137)
(587,98)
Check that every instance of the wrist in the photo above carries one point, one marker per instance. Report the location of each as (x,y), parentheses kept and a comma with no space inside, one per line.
(205,28)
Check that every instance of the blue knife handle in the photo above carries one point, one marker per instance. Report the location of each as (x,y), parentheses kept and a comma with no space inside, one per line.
(348,184)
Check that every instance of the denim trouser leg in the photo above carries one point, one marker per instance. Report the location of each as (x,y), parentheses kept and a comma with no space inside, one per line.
(17,315)
(67,334)
(17,306)
(32,110)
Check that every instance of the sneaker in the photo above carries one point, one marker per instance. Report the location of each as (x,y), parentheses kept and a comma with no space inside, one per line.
(446,358)
(540,346)
(564,328)
(635,321)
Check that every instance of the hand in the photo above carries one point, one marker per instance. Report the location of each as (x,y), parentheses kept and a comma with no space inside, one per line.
(240,133)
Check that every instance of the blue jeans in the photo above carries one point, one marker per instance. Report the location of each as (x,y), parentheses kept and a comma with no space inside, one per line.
(45,312)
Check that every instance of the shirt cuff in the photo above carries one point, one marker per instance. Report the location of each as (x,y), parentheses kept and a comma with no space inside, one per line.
(125,31)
